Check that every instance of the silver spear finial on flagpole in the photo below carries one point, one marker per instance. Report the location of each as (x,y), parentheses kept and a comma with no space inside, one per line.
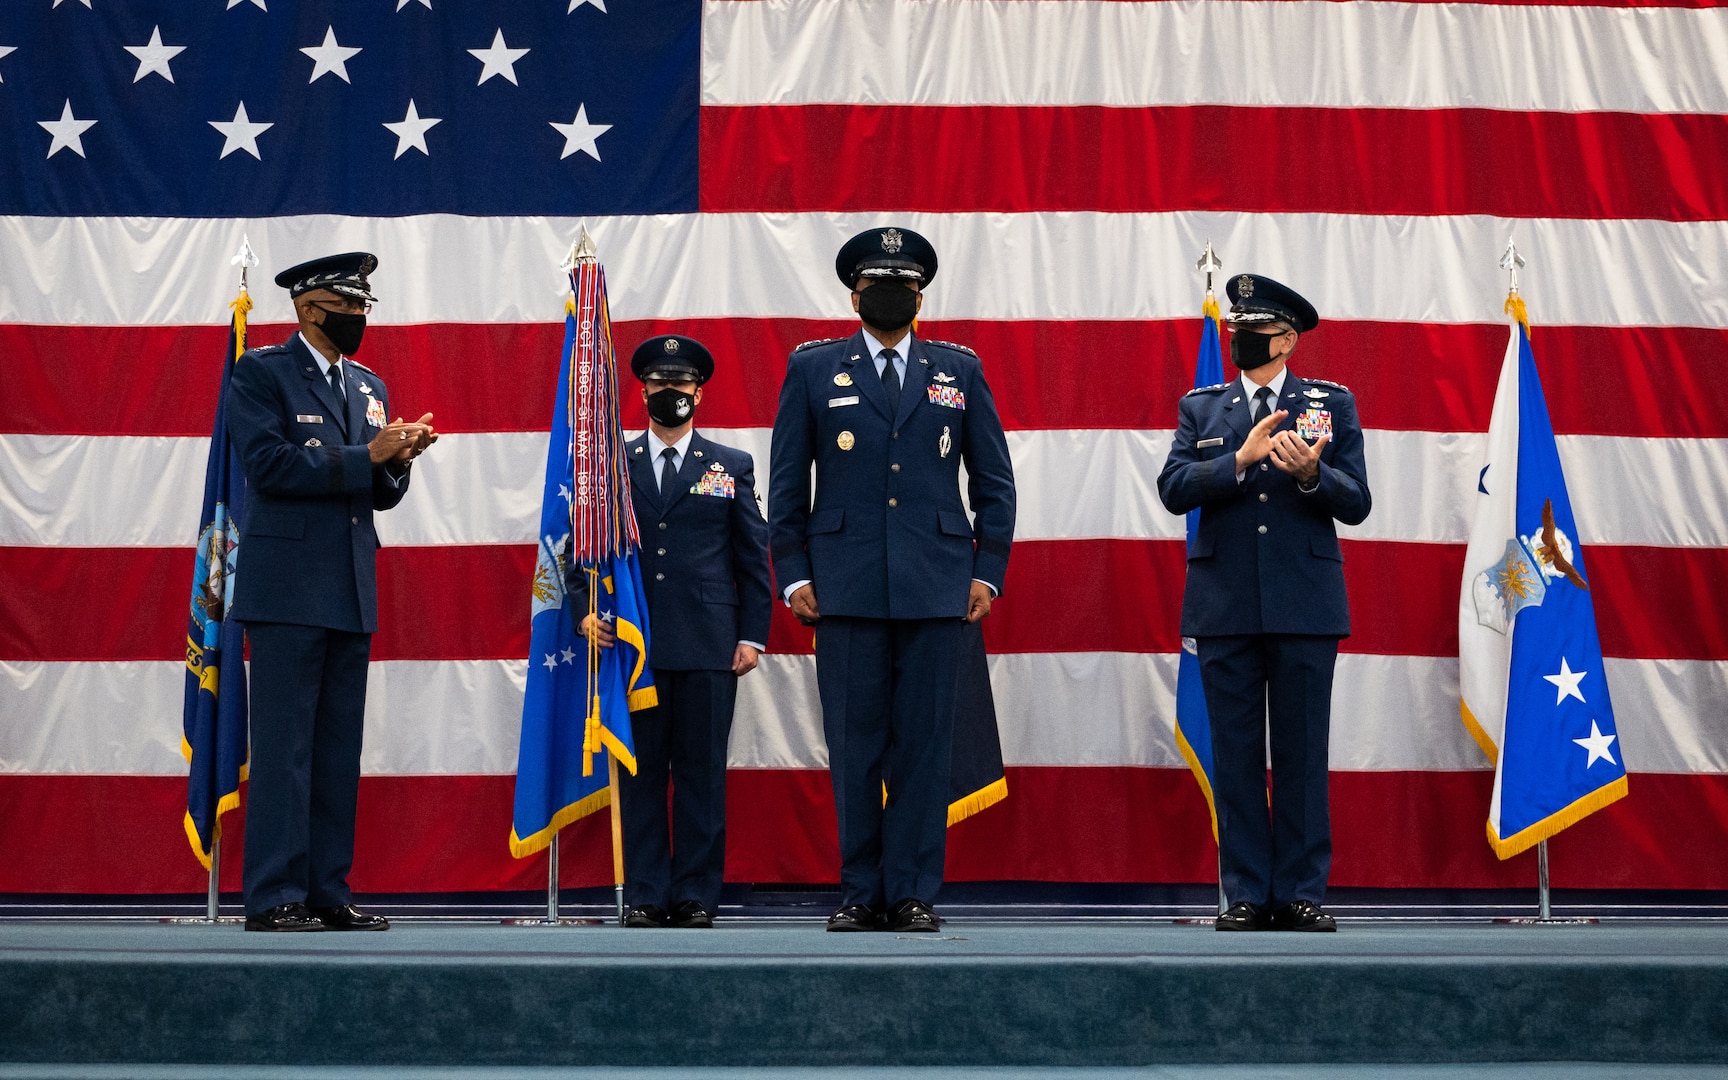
(1510,261)
(583,250)
(245,258)
(1209,264)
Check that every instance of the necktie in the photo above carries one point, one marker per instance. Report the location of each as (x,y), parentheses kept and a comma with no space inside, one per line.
(891,377)
(336,383)
(1262,403)
(668,474)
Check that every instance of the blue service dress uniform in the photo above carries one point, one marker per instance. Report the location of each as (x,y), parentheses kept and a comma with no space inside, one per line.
(705,572)
(1266,607)
(887,544)
(308,597)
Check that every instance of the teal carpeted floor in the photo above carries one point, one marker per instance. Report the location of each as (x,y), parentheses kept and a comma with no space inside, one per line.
(1027,995)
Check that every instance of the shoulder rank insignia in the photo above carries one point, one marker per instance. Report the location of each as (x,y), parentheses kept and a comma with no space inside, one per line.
(801,346)
(1327,382)
(1214,388)
(952,345)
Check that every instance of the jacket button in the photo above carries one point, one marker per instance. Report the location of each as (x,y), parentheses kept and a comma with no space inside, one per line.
(893,502)
(353,521)
(659,551)
(1262,499)
(1262,466)
(662,577)
(662,524)
(894,467)
(896,435)
(1262,530)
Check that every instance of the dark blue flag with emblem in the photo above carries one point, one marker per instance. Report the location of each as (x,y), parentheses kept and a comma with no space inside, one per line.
(1532,684)
(1193,723)
(576,712)
(213,723)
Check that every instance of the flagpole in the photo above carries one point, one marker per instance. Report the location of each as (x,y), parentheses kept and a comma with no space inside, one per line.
(1208,264)
(617,836)
(1544,913)
(552,882)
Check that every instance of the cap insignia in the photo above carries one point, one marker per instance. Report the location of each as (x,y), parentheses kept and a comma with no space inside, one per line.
(1245,286)
(892,241)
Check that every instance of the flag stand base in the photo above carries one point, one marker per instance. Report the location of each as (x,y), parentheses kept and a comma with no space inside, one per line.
(552,918)
(1545,910)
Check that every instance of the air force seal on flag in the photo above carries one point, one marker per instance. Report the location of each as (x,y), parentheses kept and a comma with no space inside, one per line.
(1508,587)
(548,585)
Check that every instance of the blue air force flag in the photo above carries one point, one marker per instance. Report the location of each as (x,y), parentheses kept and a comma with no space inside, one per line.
(1532,685)
(577,706)
(1193,722)
(213,719)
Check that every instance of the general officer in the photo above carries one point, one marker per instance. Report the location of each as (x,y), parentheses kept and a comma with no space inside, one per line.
(1271,460)
(882,553)
(319,456)
(705,570)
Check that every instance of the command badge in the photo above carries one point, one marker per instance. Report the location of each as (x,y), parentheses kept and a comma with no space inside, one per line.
(845,441)
(945,443)
(313,442)
(842,379)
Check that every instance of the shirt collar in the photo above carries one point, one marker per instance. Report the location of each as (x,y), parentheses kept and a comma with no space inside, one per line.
(904,349)
(324,365)
(682,446)
(1250,388)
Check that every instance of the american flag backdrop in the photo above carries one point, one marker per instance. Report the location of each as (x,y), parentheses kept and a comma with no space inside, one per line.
(1069,159)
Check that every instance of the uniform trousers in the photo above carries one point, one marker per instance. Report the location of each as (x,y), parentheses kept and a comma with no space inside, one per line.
(308,704)
(1270,689)
(887,689)
(678,854)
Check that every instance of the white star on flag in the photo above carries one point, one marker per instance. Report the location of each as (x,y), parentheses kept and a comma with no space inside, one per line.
(1597,744)
(569,656)
(551,661)
(564,492)
(500,59)
(66,131)
(330,58)
(574,4)
(579,134)
(232,4)
(400,4)
(154,56)
(1566,682)
(411,130)
(4,50)
(605,616)
(86,3)
(241,133)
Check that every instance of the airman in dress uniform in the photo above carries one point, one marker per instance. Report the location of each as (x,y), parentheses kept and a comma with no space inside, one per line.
(1272,460)
(705,571)
(320,455)
(882,558)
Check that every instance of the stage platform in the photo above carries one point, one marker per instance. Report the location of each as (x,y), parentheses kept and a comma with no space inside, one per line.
(782,993)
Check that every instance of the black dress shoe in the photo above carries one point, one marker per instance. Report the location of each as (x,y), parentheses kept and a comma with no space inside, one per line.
(645,915)
(349,917)
(285,919)
(691,915)
(1242,916)
(1304,915)
(913,916)
(854,917)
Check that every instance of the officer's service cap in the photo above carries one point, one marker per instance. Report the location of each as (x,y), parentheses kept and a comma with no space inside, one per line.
(888,252)
(1256,300)
(672,357)
(345,274)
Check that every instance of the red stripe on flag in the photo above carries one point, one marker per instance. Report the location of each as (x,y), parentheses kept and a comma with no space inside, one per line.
(471,603)
(1174,158)
(418,834)
(1634,381)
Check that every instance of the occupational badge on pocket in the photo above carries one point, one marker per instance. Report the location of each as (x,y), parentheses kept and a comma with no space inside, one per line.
(945,443)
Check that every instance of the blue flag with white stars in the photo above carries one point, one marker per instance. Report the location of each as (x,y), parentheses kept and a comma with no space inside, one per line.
(1533,691)
(392,107)
(1193,722)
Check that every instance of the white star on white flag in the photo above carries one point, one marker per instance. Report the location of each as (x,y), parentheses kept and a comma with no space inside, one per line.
(330,58)
(1597,744)
(154,56)
(411,130)
(400,4)
(579,134)
(67,131)
(1566,682)
(551,661)
(236,3)
(241,133)
(574,4)
(499,59)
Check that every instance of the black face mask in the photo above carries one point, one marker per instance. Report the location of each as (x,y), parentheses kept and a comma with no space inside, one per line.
(344,329)
(671,408)
(1249,350)
(887,306)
